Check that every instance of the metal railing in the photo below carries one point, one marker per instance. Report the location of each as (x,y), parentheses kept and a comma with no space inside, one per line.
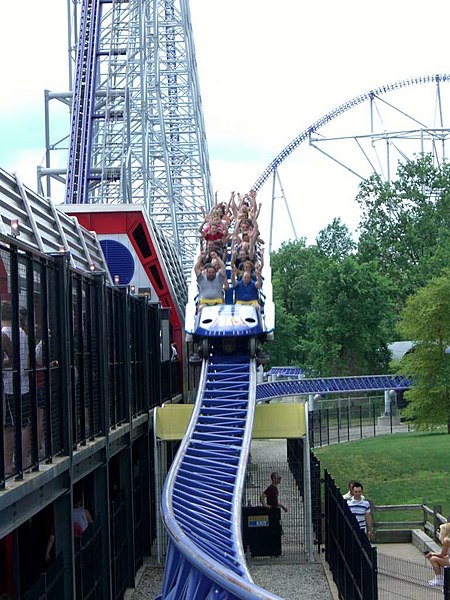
(77,351)
(352,419)
(401,578)
(351,557)
(49,586)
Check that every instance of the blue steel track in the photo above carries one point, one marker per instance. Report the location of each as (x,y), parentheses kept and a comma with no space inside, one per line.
(202,496)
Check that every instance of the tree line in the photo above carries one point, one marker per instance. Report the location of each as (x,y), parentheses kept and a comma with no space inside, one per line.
(340,302)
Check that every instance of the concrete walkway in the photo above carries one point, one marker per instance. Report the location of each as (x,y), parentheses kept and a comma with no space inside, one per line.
(404,572)
(404,551)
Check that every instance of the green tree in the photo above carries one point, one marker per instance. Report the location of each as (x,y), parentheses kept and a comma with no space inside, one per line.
(284,350)
(426,320)
(335,240)
(405,224)
(349,320)
(295,271)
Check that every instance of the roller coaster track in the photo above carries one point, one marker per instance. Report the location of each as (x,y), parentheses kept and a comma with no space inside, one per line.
(201,501)
(330,116)
(331,385)
(83,105)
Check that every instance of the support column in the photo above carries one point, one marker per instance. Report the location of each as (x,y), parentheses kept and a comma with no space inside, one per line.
(307,500)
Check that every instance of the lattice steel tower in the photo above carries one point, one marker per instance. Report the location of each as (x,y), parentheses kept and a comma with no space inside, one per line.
(137,129)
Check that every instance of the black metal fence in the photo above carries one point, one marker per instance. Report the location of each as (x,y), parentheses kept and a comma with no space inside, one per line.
(88,566)
(291,529)
(401,578)
(79,357)
(351,557)
(119,547)
(351,419)
(50,585)
(295,450)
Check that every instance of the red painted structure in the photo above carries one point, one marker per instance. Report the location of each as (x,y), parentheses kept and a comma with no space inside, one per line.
(131,220)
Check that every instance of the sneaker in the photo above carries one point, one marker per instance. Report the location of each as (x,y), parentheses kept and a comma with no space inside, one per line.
(438,581)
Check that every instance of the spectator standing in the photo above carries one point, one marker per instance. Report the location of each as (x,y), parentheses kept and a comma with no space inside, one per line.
(360,507)
(349,494)
(9,367)
(270,496)
(174,352)
(81,517)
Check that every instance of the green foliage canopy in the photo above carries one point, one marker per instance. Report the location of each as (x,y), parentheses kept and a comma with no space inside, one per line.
(348,320)
(405,224)
(426,320)
(337,302)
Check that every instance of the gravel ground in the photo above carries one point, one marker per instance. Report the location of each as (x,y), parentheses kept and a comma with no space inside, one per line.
(291,582)
(303,581)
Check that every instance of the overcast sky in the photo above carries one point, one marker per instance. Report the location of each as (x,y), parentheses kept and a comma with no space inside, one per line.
(267,71)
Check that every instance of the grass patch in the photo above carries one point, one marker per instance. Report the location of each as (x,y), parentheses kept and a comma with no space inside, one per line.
(394,469)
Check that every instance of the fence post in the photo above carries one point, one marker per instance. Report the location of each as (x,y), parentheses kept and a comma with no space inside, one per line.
(328,425)
(436,524)
(348,423)
(307,500)
(338,412)
(424,504)
(312,418)
(374,419)
(446,583)
(320,428)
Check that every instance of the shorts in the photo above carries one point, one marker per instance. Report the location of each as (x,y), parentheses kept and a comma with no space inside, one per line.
(10,410)
(210,301)
(248,302)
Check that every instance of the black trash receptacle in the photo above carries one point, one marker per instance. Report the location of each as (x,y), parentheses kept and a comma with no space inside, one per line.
(262,530)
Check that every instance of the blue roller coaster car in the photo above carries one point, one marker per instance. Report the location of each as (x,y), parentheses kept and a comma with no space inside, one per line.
(229,328)
(228,320)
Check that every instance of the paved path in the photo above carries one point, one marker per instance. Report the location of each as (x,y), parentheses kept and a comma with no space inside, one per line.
(404,572)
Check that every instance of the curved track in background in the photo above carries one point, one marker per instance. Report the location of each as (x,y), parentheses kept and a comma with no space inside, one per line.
(346,106)
(202,496)
(331,385)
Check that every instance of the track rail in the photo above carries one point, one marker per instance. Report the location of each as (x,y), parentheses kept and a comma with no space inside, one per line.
(201,501)
(83,103)
(331,385)
(330,116)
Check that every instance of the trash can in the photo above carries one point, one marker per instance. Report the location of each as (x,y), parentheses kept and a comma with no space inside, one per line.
(261,530)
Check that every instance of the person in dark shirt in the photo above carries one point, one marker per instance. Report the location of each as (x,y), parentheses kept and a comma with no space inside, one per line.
(269,497)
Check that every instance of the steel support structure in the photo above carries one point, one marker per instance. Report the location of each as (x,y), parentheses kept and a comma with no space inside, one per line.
(137,128)
(205,559)
(384,129)
(428,137)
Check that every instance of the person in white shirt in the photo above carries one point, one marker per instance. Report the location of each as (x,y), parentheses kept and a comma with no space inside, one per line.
(81,517)
(360,507)
(349,493)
